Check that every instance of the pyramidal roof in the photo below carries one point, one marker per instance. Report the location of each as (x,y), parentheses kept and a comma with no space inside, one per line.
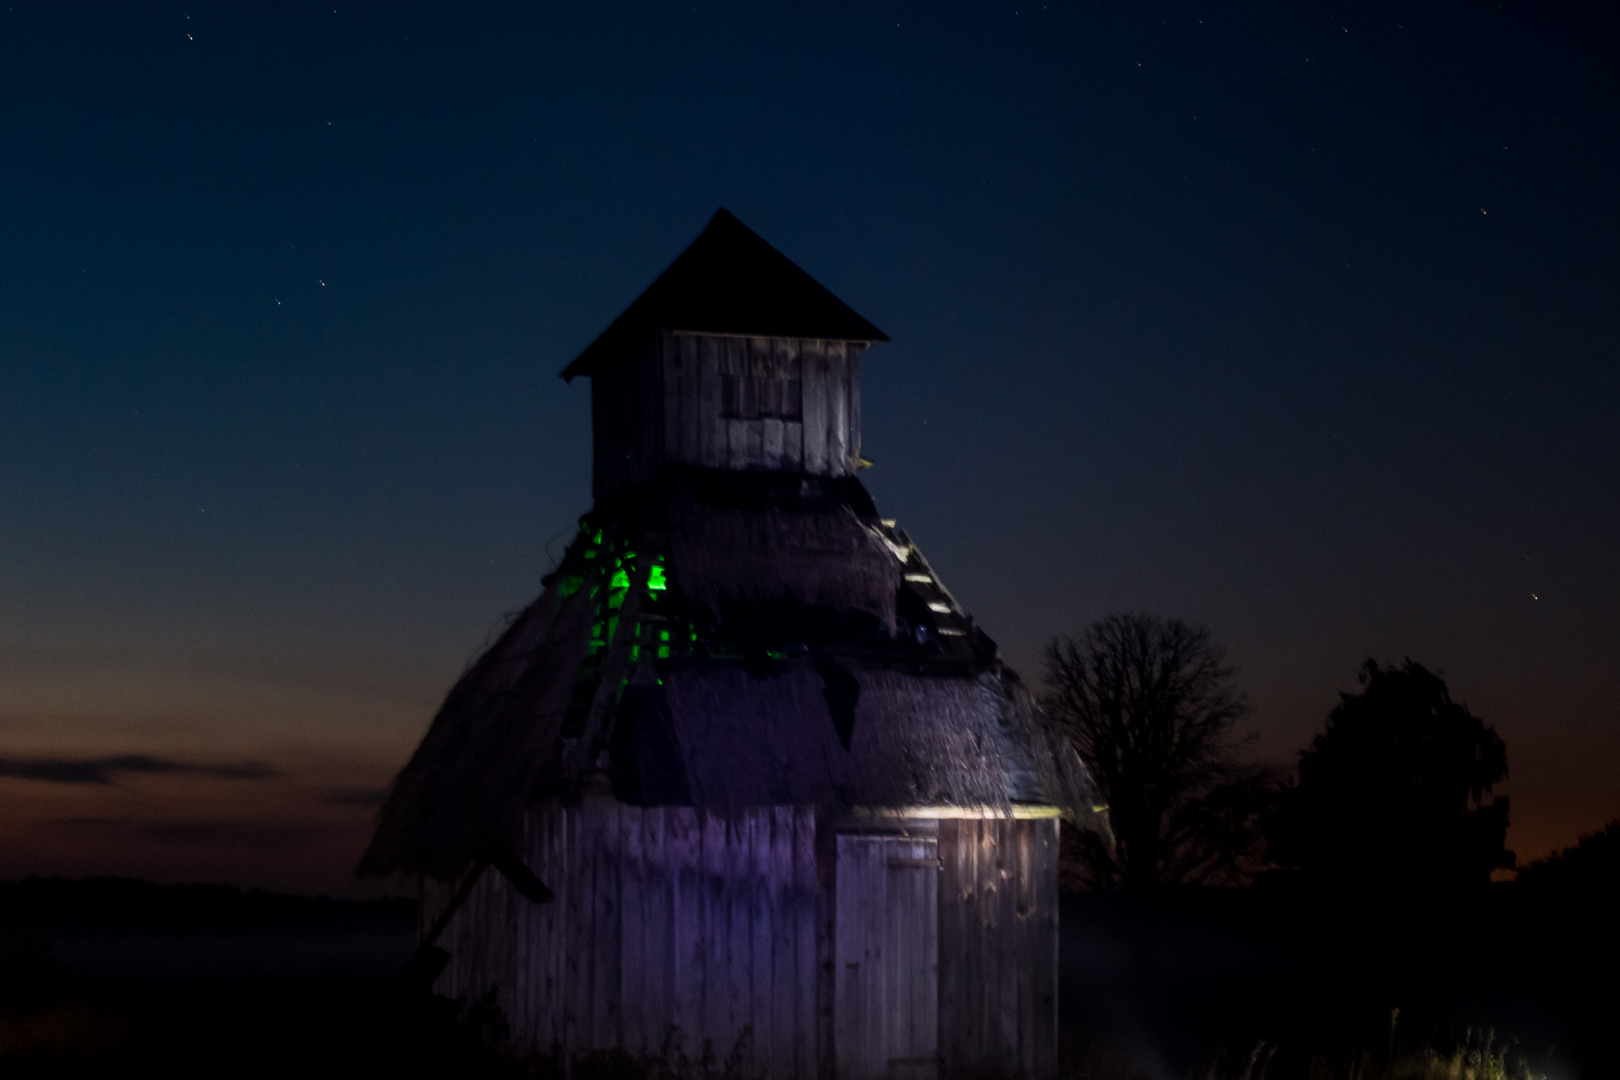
(729,281)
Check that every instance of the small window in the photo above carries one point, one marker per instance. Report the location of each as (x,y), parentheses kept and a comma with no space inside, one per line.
(751,397)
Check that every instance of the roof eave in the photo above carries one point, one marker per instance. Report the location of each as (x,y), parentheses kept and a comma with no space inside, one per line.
(602,351)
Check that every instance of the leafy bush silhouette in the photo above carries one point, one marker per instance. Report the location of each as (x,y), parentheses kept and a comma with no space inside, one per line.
(1392,792)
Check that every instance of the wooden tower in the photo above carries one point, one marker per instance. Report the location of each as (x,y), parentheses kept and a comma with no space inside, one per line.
(744,772)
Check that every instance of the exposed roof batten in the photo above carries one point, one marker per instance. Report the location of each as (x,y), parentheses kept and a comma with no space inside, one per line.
(728,282)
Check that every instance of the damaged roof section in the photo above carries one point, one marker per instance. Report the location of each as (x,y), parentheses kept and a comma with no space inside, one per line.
(785,562)
(726,641)
(726,738)
(734,626)
(496,731)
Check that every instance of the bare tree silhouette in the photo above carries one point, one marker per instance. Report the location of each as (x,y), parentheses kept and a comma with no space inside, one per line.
(1151,706)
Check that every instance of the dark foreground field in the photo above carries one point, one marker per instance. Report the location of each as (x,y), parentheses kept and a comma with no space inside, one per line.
(106,978)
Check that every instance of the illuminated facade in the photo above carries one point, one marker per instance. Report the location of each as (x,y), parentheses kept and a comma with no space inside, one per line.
(745,772)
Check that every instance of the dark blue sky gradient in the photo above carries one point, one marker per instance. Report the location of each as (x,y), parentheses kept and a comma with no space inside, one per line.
(1298,322)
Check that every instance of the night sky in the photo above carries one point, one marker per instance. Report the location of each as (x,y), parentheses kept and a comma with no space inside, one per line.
(1298,322)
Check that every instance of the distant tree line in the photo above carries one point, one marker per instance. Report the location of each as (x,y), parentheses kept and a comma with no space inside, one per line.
(1395,790)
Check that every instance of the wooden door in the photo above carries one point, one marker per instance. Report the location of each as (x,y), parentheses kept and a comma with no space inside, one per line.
(886,995)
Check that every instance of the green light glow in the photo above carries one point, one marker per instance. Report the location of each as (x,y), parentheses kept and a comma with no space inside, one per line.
(656,582)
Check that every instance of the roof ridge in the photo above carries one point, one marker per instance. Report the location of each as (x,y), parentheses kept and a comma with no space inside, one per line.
(728,280)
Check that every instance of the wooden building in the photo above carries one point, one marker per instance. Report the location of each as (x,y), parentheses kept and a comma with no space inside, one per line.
(745,766)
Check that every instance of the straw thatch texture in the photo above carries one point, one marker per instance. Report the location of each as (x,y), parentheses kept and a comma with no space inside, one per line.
(743,739)
(816,660)
(464,790)
(725,559)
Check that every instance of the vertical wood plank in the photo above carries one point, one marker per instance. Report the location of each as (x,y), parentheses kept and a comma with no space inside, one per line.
(659,950)
(852,395)
(813,363)
(716,935)
(712,426)
(1006,941)
(496,938)
(919,995)
(927,1023)
(534,940)
(837,411)
(786,914)
(541,918)
(1044,948)
(536,850)
(975,997)
(753,451)
(633,923)
(607,997)
(792,446)
(685,850)
(737,443)
(739,923)
(519,997)
(815,861)
(761,1007)
(791,363)
(1023,887)
(772,437)
(951,933)
(557,947)
(577,964)
(689,383)
(954,1005)
(438,895)
(735,359)
(892,954)
(848,959)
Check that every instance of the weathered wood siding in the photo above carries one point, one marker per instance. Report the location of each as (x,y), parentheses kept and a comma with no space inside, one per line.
(886,963)
(850,956)
(665,918)
(755,404)
(627,422)
(998,932)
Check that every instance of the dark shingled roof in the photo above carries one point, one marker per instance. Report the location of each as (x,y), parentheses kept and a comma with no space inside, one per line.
(728,282)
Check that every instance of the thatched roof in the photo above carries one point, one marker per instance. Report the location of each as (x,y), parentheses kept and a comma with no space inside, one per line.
(726,738)
(496,731)
(729,281)
(729,640)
